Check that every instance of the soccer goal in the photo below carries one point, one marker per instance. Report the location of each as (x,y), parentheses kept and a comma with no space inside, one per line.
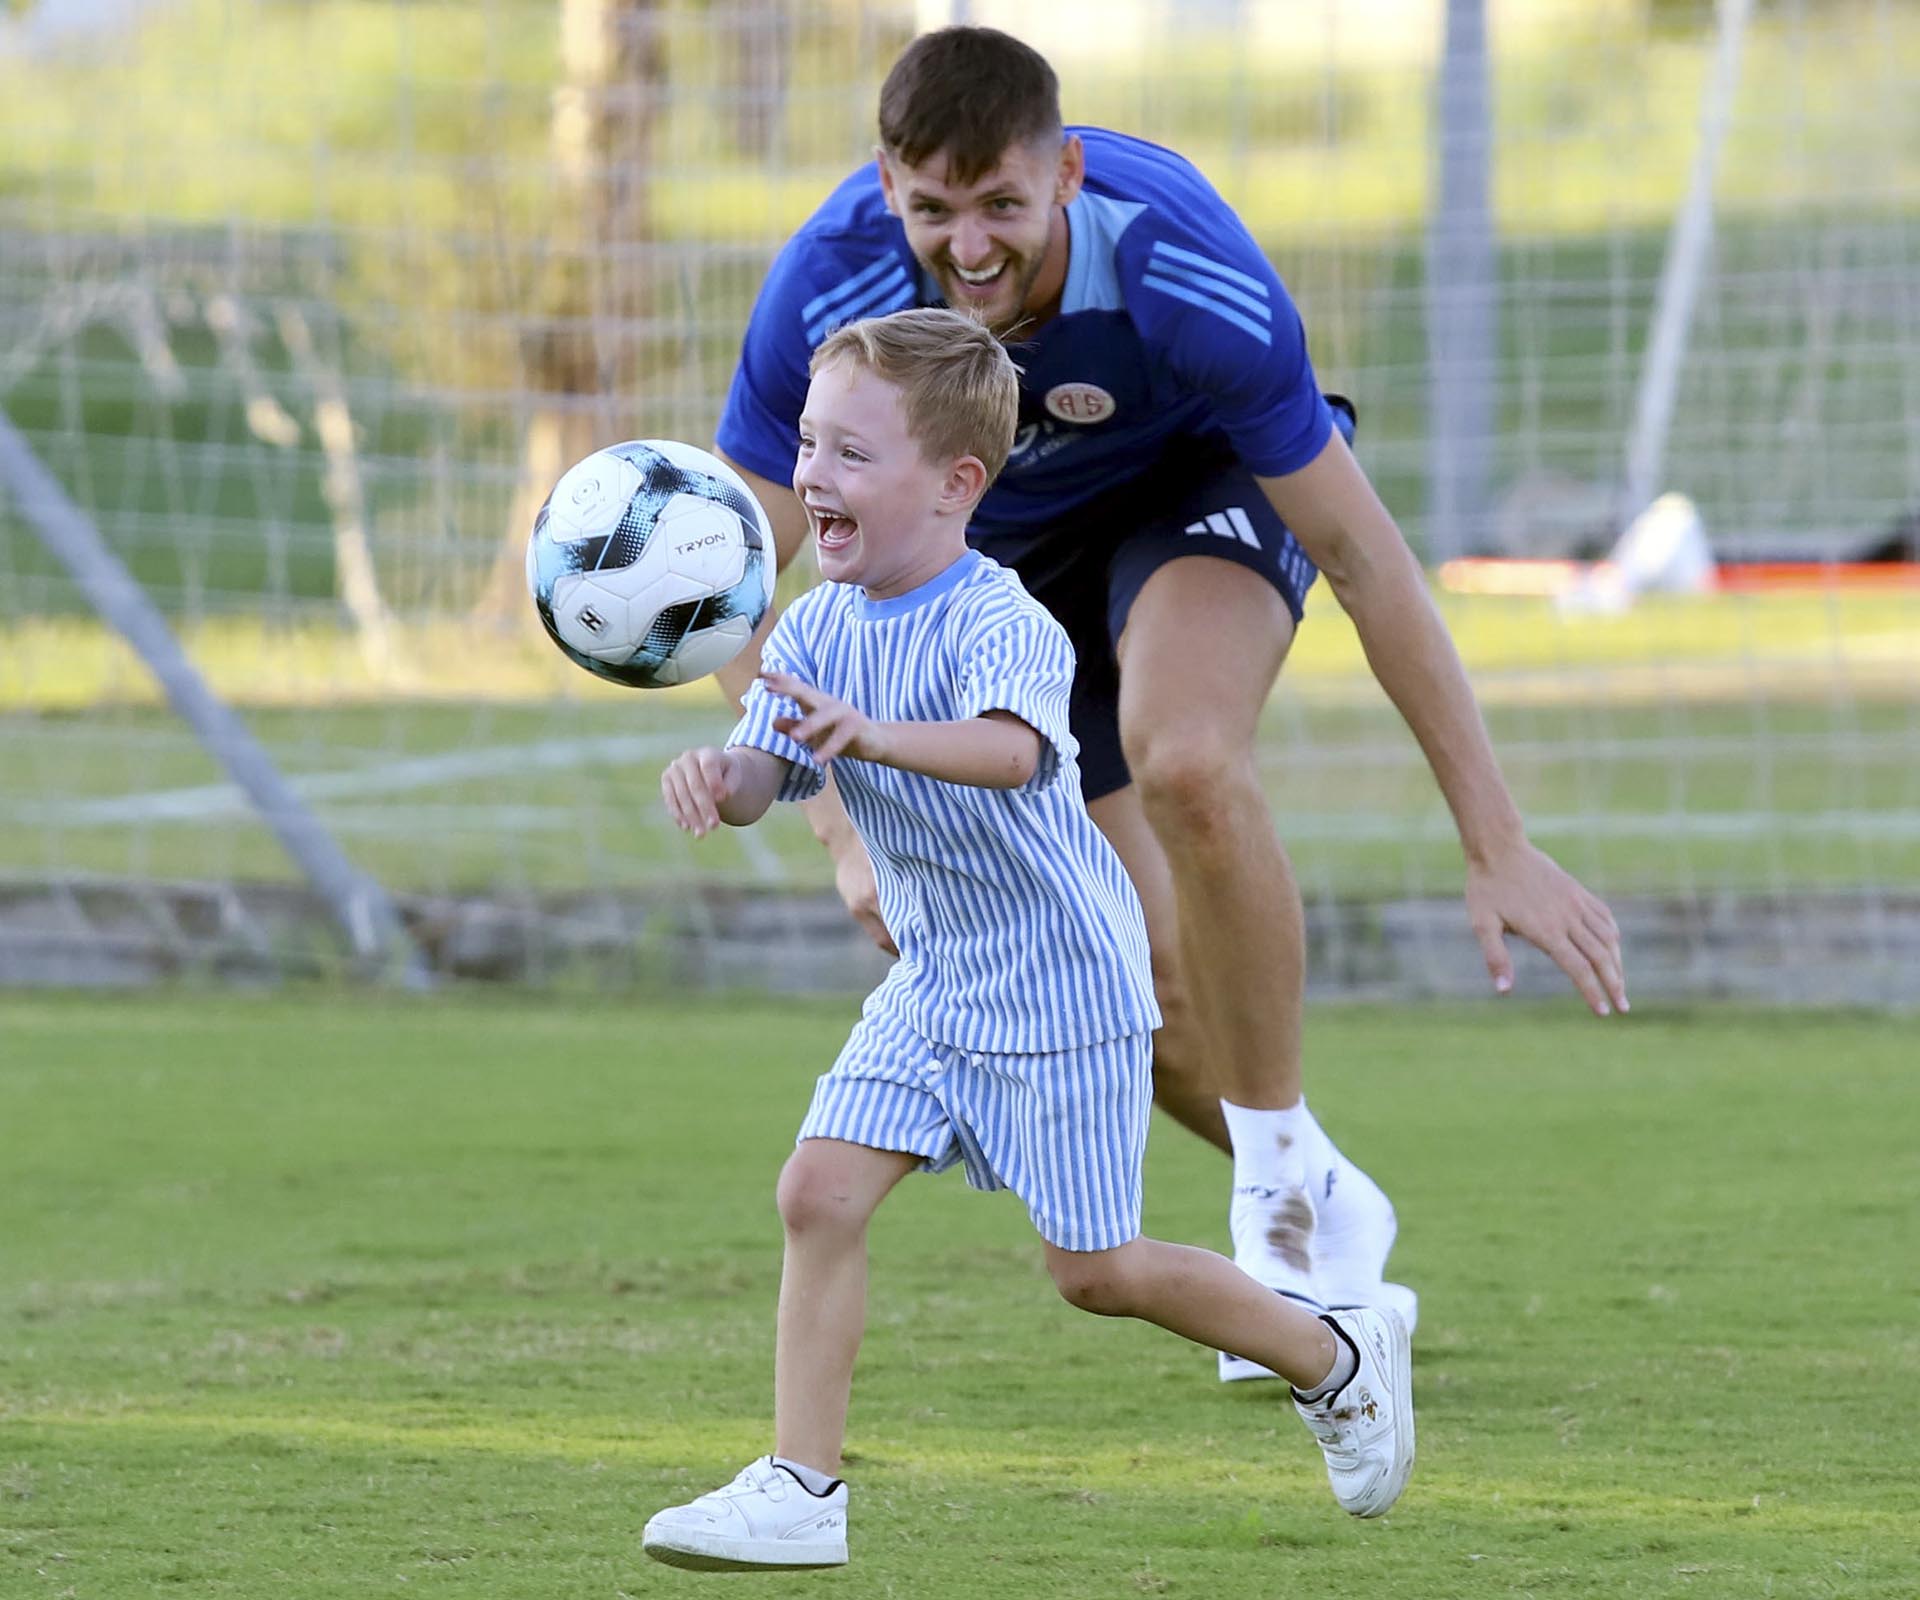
(306,308)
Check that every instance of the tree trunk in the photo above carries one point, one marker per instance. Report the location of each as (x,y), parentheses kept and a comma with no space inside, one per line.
(583,352)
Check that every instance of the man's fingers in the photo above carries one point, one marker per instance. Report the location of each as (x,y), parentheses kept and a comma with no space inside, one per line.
(871,920)
(1601,946)
(1579,966)
(1493,946)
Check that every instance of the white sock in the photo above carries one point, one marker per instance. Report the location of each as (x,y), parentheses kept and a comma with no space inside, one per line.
(812,1479)
(1272,1217)
(1346,1362)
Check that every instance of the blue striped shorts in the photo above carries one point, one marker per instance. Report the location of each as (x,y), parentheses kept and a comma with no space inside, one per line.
(1065,1130)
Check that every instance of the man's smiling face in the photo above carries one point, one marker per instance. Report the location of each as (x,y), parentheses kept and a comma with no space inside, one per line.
(997,246)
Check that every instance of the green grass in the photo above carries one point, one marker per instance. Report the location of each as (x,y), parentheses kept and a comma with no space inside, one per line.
(1744,742)
(1760,795)
(310,1299)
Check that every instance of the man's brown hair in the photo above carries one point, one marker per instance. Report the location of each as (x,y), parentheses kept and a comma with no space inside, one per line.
(960,388)
(971,92)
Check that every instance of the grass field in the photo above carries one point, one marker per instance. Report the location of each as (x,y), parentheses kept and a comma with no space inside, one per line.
(301,1298)
(1751,742)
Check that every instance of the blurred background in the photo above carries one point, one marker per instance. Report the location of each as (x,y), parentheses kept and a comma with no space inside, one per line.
(305,304)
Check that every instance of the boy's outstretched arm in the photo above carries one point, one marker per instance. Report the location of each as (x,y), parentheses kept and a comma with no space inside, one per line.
(994,751)
(706,787)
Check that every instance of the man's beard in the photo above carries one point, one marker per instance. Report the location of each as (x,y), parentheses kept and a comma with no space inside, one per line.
(1020,272)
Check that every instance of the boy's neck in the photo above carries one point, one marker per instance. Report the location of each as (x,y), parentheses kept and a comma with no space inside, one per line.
(940,555)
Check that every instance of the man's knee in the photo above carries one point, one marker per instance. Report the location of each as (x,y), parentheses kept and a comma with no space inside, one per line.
(1191,780)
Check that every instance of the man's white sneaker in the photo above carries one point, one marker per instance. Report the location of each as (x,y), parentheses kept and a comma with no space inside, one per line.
(1354,1236)
(1383,1296)
(1353,1230)
(764,1519)
(1365,1428)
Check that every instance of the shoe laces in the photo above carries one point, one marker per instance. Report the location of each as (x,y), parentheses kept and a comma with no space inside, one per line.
(754,1478)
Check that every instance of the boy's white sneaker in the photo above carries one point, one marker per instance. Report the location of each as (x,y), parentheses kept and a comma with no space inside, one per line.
(1365,1428)
(764,1519)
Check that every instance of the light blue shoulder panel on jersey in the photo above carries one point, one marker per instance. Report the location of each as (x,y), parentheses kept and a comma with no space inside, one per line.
(1093,277)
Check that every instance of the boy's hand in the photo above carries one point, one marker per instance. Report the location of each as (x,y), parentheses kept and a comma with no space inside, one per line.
(829,727)
(694,786)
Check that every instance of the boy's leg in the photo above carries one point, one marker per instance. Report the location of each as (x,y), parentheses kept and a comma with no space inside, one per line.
(1351,1370)
(1200,1296)
(828,1192)
(789,1510)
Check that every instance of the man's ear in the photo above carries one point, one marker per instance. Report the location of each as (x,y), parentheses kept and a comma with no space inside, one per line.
(1072,171)
(888,191)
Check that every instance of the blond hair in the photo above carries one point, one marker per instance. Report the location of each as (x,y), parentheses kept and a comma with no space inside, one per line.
(960,387)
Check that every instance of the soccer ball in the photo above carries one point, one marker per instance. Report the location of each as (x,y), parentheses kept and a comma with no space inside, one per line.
(651,563)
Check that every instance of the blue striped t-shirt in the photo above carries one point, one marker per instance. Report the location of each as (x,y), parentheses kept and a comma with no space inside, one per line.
(1019,930)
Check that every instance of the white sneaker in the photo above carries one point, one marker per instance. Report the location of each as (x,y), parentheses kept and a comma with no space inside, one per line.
(1353,1232)
(1354,1236)
(1365,1428)
(764,1518)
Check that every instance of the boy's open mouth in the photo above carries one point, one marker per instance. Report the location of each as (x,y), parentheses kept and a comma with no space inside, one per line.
(833,530)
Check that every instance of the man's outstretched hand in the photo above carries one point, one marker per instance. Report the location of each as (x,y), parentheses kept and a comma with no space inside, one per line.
(1525,891)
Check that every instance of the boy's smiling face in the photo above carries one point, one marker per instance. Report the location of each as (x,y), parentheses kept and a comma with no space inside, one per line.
(883,515)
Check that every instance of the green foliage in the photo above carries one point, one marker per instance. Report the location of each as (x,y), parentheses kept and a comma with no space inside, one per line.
(315,1299)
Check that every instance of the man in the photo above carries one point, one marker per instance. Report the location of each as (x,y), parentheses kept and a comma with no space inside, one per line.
(1176,481)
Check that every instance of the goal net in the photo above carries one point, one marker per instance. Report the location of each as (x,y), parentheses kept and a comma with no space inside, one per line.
(304,308)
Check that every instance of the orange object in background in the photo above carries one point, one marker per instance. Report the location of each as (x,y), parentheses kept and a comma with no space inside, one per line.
(1544,579)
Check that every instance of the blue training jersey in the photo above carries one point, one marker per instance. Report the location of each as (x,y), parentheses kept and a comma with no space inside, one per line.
(1171,324)
(1019,930)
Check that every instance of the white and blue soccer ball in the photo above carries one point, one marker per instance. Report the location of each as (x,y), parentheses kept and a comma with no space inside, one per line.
(651,563)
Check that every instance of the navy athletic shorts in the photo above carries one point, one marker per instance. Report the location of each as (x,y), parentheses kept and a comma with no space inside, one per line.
(1196,500)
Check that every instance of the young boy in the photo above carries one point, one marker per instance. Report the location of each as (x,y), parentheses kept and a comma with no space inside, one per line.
(1014,1034)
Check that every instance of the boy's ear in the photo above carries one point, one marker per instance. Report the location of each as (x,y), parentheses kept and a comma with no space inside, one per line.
(966,482)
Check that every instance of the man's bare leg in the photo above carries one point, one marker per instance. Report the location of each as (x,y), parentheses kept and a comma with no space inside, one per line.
(1183,1081)
(1190,701)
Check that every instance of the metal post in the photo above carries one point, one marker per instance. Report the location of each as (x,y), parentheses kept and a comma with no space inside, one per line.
(360,906)
(1681,273)
(1463,313)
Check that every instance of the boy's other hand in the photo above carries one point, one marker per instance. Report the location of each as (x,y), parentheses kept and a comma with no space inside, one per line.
(828,727)
(694,786)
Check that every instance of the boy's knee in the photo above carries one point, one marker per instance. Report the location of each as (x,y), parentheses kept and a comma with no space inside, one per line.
(816,1194)
(1095,1281)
